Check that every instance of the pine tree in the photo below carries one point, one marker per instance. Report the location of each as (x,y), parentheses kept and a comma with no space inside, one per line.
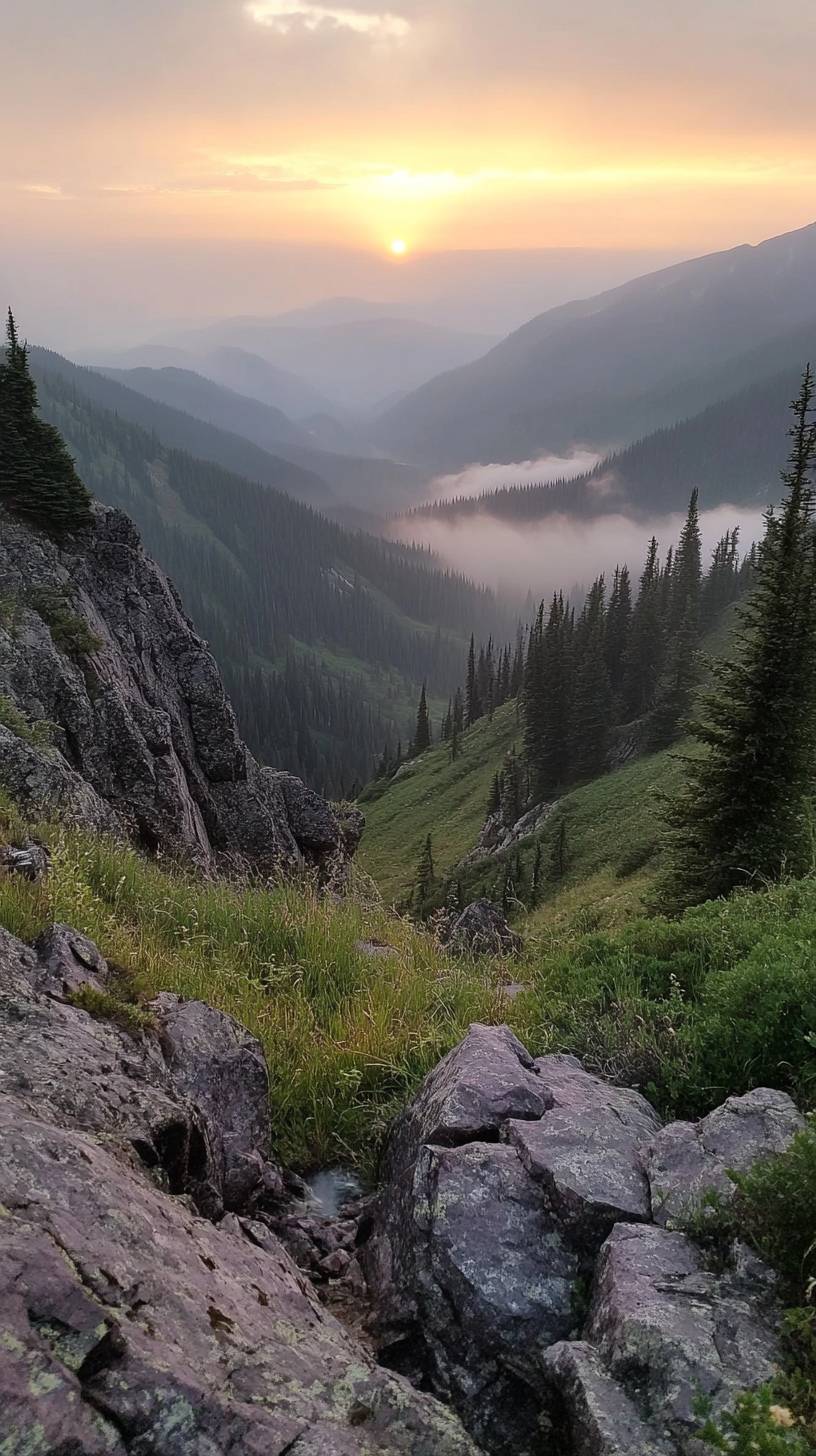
(740,819)
(510,789)
(425,877)
(447,723)
(558,857)
(535,885)
(677,683)
(473,706)
(422,732)
(644,656)
(618,621)
(494,797)
(38,480)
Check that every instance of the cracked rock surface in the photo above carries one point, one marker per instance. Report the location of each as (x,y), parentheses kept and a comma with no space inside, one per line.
(145,742)
(516,1267)
(129,1320)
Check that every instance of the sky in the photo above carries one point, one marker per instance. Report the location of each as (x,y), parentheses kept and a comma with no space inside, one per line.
(445,124)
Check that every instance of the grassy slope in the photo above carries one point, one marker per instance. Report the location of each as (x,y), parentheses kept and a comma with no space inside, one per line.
(611,822)
(444,799)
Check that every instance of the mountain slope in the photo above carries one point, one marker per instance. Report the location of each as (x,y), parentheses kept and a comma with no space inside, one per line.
(185,390)
(356,362)
(186,411)
(606,369)
(732,452)
(183,431)
(323,635)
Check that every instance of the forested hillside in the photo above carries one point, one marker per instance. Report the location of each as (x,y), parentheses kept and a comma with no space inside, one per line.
(324,636)
(603,371)
(730,452)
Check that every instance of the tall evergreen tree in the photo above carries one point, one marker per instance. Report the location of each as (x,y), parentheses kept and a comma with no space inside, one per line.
(425,877)
(679,677)
(740,819)
(38,480)
(422,732)
(473,705)
(618,620)
(591,717)
(644,655)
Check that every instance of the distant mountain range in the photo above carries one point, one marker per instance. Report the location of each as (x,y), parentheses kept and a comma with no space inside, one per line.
(732,452)
(605,370)
(188,412)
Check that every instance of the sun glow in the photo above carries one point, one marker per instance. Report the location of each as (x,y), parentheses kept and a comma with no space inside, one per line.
(398,247)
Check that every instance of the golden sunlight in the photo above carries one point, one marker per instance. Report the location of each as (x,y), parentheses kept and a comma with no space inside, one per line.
(398,247)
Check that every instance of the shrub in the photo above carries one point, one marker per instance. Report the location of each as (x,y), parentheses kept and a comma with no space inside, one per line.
(756,1426)
(106,1006)
(70,632)
(40,732)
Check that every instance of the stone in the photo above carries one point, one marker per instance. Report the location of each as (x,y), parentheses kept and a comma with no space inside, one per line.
(594,1416)
(673,1330)
(128,1321)
(216,1064)
(30,860)
(688,1160)
(585,1152)
(70,961)
(514,1268)
(482,929)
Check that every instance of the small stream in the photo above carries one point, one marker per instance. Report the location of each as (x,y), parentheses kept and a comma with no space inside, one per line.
(329,1189)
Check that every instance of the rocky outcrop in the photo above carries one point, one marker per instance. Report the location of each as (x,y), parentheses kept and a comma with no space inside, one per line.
(97,653)
(135,1316)
(482,929)
(516,1268)
(687,1160)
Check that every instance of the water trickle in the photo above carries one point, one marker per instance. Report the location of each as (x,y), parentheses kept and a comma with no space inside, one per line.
(331,1188)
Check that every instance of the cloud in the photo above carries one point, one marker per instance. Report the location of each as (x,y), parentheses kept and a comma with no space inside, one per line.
(477,479)
(285,16)
(563,552)
(42,189)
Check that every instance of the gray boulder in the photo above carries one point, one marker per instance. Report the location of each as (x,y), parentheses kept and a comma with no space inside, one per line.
(592,1414)
(69,961)
(216,1064)
(130,1323)
(672,1331)
(482,929)
(586,1153)
(687,1160)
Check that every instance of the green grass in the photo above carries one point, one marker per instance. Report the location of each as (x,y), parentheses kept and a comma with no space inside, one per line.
(441,798)
(613,823)
(347,1036)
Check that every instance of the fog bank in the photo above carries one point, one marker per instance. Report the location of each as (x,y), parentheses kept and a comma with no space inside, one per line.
(560,551)
(476,479)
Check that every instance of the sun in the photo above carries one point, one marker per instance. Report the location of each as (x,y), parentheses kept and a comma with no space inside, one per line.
(398,247)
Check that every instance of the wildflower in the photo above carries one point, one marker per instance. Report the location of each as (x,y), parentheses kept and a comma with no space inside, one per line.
(781,1416)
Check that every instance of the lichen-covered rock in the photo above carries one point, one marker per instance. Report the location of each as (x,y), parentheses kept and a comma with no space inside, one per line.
(144,739)
(586,1153)
(69,961)
(482,929)
(593,1415)
(673,1332)
(687,1160)
(128,1322)
(219,1066)
(513,1188)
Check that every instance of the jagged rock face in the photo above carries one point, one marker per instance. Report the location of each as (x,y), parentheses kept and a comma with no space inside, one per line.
(516,1269)
(129,1322)
(145,740)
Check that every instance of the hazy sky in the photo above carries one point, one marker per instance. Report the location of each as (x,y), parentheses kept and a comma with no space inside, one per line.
(447,123)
